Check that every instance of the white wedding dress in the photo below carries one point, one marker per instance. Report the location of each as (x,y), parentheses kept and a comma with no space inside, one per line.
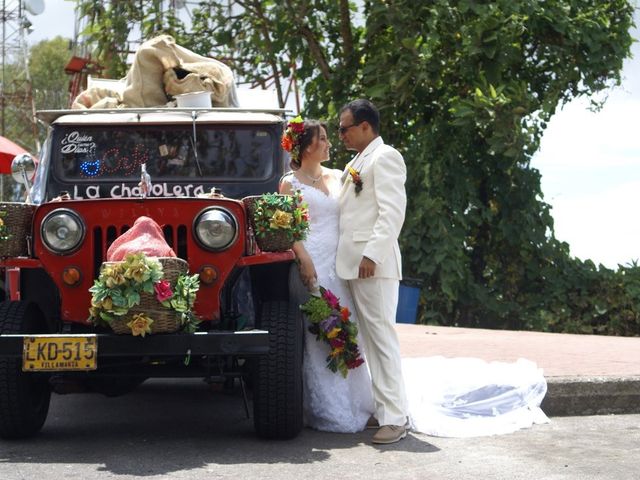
(331,403)
(447,397)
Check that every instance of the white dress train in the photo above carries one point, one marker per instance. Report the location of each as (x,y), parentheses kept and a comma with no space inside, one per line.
(469,397)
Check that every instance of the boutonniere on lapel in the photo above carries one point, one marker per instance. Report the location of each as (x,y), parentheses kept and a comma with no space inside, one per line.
(355,178)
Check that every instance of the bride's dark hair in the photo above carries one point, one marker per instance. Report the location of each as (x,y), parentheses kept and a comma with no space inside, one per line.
(311,130)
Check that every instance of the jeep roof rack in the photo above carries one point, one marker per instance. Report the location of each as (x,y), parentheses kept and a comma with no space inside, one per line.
(49,116)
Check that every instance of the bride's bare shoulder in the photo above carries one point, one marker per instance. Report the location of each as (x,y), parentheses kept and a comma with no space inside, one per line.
(285,185)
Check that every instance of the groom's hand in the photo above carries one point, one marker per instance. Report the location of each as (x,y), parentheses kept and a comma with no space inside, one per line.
(367,268)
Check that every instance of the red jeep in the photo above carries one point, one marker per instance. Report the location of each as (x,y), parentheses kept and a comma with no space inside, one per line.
(87,193)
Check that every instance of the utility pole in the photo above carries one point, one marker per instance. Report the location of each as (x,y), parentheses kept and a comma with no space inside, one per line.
(17,106)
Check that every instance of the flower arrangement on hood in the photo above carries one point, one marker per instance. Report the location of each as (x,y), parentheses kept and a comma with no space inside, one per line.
(291,137)
(330,323)
(276,212)
(120,285)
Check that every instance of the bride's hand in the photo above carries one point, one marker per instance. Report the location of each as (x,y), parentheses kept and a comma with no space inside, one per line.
(307,271)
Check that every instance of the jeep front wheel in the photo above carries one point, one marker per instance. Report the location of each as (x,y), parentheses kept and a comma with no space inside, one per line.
(277,386)
(24,397)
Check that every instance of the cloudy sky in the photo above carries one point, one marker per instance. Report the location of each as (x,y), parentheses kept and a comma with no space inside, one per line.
(590,165)
(590,162)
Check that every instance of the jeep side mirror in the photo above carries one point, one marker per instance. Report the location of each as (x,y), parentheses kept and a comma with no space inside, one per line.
(23,167)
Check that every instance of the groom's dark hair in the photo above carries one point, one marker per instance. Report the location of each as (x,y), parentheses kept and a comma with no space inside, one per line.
(364,111)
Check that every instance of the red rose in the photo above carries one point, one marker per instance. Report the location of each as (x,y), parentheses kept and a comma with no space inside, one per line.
(163,290)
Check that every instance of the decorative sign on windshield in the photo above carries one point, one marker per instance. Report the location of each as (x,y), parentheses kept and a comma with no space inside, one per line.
(74,142)
(124,190)
(89,157)
(115,162)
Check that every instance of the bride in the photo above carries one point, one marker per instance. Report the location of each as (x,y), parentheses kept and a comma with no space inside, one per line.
(330,402)
(448,397)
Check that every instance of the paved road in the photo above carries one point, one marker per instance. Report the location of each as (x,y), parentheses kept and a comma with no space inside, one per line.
(182,430)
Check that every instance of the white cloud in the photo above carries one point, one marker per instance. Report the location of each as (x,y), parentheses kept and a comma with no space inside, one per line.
(577,137)
(590,166)
(602,227)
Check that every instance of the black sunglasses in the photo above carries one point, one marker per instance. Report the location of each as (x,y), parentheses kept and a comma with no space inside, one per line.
(343,130)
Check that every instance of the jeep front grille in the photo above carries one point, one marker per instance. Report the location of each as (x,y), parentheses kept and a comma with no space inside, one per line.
(103,237)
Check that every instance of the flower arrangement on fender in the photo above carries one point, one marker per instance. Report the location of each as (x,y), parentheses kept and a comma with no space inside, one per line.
(330,322)
(4,230)
(291,137)
(288,213)
(355,178)
(119,286)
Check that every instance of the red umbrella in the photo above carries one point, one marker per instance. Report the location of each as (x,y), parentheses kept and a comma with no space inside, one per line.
(8,150)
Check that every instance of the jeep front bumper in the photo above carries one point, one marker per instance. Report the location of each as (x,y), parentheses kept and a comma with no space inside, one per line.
(244,343)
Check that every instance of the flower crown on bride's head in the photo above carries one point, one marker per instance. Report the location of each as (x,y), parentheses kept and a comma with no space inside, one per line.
(291,138)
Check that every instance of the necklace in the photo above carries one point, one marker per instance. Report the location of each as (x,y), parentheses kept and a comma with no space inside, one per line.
(314,180)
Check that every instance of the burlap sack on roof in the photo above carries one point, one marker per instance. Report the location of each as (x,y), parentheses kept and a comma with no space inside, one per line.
(96,98)
(162,69)
(198,77)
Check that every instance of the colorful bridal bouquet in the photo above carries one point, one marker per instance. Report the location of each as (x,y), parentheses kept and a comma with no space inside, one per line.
(281,213)
(136,290)
(330,323)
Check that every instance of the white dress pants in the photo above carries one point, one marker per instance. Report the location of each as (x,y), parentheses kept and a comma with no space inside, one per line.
(376,300)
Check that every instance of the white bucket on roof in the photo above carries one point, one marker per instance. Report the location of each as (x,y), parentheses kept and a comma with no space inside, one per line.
(194,99)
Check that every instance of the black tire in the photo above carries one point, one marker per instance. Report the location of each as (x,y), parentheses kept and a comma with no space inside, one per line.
(277,383)
(24,397)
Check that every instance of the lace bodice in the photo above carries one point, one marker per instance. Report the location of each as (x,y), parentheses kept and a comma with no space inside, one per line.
(324,224)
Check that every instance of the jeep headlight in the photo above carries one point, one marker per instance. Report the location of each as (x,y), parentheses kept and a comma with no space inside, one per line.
(62,231)
(215,229)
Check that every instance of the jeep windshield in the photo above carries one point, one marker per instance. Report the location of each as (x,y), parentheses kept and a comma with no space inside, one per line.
(108,153)
(100,155)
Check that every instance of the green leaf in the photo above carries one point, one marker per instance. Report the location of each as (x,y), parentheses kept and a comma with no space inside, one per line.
(377,91)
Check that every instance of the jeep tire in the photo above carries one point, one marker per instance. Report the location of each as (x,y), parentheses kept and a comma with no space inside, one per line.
(277,385)
(24,397)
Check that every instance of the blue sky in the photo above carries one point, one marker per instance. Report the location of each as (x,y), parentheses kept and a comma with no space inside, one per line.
(590,162)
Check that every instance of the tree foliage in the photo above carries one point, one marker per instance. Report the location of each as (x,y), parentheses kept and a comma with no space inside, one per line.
(116,26)
(50,83)
(48,87)
(465,89)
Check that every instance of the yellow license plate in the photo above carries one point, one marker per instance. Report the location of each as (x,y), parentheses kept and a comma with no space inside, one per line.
(57,353)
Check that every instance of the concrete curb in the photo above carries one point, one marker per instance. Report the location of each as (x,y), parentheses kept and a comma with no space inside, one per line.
(592,395)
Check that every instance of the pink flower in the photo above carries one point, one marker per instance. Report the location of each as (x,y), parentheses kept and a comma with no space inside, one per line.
(163,290)
(331,299)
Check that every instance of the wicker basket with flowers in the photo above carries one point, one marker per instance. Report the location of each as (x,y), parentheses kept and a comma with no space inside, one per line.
(15,228)
(143,295)
(278,220)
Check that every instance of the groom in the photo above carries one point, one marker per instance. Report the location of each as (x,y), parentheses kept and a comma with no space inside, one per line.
(372,207)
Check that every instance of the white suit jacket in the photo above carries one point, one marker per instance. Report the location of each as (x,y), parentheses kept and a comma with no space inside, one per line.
(370,221)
